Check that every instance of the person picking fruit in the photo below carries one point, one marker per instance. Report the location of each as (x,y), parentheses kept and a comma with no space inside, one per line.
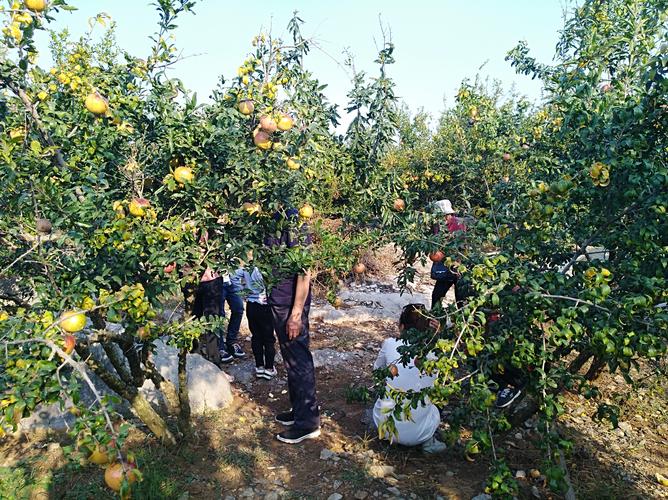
(420,427)
(445,276)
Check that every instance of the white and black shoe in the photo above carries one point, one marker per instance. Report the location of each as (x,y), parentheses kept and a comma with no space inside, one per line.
(269,373)
(237,351)
(226,357)
(286,418)
(295,436)
(506,396)
(259,372)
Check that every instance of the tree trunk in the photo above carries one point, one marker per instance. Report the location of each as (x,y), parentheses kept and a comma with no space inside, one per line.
(151,418)
(597,366)
(117,359)
(166,387)
(579,361)
(141,406)
(138,375)
(184,399)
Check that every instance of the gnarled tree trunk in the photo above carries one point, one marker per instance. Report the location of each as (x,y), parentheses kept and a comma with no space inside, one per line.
(129,392)
(184,398)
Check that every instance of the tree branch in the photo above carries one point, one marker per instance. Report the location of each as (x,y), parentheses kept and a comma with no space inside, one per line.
(576,300)
(18,91)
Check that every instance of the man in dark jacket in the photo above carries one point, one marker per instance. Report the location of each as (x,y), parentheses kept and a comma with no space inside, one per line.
(290,302)
(446,276)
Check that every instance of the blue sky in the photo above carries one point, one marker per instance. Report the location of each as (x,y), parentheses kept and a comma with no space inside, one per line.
(438,42)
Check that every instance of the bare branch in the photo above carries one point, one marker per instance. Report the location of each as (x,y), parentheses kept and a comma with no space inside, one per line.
(38,121)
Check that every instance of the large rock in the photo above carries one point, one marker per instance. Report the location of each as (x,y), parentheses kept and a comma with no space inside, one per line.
(208,387)
(365,304)
(47,418)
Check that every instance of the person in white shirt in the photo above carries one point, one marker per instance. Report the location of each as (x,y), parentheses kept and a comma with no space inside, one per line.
(260,322)
(419,429)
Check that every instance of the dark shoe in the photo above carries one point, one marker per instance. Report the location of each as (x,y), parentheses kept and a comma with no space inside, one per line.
(506,396)
(226,357)
(237,351)
(286,418)
(294,436)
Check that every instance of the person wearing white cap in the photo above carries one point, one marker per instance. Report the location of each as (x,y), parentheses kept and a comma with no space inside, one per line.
(445,276)
(444,207)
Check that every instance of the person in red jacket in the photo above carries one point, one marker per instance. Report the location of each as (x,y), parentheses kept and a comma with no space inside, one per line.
(446,276)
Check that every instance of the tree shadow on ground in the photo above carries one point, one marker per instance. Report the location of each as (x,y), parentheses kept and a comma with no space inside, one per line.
(233,453)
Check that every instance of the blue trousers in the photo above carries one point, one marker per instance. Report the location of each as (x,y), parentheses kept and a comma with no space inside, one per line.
(235,302)
(299,365)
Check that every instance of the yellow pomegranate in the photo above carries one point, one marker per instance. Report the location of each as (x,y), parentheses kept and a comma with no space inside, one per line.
(184,175)
(35,5)
(262,140)
(359,268)
(72,321)
(596,170)
(99,456)
(246,107)
(399,205)
(96,104)
(292,163)
(285,122)
(306,212)
(268,124)
(252,208)
(138,206)
(114,475)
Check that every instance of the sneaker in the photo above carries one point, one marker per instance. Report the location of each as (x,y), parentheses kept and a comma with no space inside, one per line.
(259,372)
(269,373)
(294,436)
(433,445)
(286,418)
(506,396)
(225,357)
(237,352)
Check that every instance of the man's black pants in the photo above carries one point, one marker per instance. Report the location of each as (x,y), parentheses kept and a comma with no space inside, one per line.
(441,289)
(510,376)
(299,365)
(261,325)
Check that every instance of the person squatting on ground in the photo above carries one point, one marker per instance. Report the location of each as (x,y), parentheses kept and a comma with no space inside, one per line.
(230,294)
(260,322)
(290,302)
(445,276)
(419,429)
(511,380)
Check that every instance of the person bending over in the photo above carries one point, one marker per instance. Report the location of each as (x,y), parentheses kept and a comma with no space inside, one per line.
(419,429)
(445,276)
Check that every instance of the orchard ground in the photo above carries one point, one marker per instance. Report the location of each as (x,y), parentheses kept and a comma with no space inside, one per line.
(234,453)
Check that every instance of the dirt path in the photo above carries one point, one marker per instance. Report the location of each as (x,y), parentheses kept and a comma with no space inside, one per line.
(235,455)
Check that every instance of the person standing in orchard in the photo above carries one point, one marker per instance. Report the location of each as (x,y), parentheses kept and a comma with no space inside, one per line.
(260,322)
(230,293)
(202,298)
(290,302)
(446,276)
